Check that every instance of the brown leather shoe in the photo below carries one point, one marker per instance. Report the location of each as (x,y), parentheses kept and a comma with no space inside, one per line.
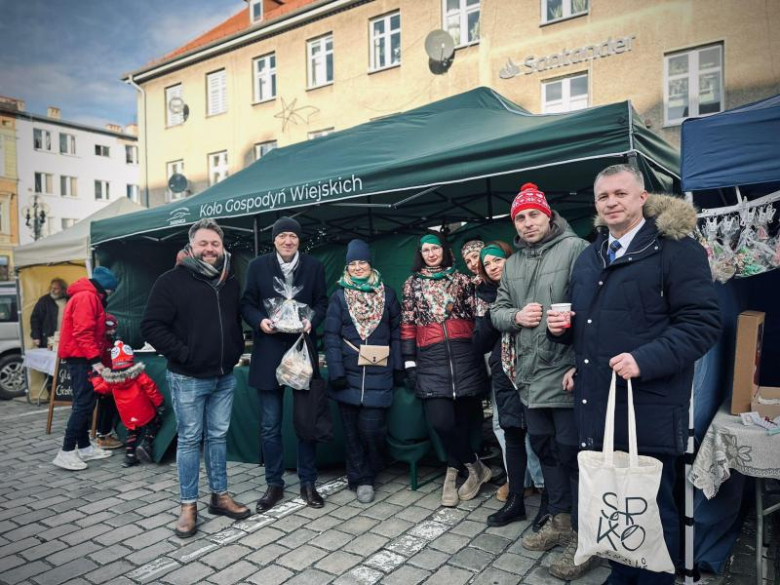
(224,505)
(186,525)
(311,497)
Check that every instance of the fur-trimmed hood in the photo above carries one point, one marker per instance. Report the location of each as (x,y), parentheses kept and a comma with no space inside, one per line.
(121,376)
(674,217)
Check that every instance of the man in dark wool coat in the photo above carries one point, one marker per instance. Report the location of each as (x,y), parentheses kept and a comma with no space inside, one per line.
(287,263)
(646,309)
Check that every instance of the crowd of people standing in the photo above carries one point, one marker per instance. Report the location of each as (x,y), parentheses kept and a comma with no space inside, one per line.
(642,305)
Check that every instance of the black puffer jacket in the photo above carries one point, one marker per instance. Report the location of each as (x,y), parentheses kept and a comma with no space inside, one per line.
(447,365)
(488,339)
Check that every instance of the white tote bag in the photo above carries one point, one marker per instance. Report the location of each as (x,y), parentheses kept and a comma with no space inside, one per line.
(618,514)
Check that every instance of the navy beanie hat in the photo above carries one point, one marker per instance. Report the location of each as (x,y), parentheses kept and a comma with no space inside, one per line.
(286,224)
(358,250)
(105,278)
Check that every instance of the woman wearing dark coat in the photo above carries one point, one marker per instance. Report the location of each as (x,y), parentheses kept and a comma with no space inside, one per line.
(511,415)
(437,325)
(288,265)
(362,311)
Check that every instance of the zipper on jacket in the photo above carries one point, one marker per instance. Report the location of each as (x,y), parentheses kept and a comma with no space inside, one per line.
(221,336)
(363,385)
(449,358)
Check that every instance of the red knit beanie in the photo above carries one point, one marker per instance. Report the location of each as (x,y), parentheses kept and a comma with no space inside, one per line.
(121,356)
(530,197)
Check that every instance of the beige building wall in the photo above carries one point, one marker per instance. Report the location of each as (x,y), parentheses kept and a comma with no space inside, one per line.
(509,29)
(9,199)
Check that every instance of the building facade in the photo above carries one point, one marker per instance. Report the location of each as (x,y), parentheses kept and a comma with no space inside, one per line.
(68,171)
(9,194)
(280,72)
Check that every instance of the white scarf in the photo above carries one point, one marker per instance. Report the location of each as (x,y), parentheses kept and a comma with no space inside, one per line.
(288,267)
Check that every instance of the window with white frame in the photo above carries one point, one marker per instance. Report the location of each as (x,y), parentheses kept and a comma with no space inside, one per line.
(218,167)
(41,139)
(43,183)
(131,154)
(173,168)
(134,193)
(67,143)
(693,83)
(67,222)
(320,59)
(216,92)
(173,101)
(265,77)
(101,190)
(68,186)
(256,10)
(102,150)
(320,133)
(385,34)
(263,148)
(461,20)
(565,95)
(553,10)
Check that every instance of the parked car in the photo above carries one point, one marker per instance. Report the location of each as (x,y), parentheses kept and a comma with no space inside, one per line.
(13,382)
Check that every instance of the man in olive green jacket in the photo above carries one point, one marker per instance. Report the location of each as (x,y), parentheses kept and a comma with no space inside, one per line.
(534,278)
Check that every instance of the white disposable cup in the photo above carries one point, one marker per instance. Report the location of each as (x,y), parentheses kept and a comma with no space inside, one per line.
(564,308)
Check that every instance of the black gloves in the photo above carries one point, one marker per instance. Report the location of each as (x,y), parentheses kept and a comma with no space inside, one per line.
(399,377)
(411,378)
(338,383)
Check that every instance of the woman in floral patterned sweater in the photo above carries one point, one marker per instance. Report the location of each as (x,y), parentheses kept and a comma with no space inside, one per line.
(437,325)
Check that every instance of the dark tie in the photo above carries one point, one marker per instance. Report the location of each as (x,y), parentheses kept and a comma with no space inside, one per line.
(613,248)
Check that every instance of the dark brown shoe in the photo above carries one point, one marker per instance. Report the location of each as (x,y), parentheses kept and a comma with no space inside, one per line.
(272,496)
(186,525)
(311,497)
(224,505)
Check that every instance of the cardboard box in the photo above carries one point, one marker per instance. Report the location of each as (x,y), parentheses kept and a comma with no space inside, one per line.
(747,360)
(768,410)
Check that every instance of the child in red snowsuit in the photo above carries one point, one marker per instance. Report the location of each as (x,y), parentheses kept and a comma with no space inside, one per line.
(138,400)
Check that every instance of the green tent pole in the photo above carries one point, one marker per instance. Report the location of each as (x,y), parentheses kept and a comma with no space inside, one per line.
(256,230)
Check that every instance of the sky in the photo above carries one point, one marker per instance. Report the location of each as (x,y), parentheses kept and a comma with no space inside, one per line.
(72,53)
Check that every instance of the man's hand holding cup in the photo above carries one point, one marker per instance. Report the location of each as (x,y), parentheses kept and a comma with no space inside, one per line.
(559,318)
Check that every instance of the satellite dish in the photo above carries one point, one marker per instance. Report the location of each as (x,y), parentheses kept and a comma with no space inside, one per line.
(440,49)
(176,105)
(177,183)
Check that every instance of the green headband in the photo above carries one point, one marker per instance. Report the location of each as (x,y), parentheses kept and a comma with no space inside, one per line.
(491,250)
(430,239)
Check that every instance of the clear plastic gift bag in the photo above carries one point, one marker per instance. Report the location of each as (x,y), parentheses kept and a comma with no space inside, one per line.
(295,369)
(284,311)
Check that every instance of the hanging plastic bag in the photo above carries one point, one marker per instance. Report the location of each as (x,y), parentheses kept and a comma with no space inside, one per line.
(619,518)
(295,369)
(719,254)
(284,311)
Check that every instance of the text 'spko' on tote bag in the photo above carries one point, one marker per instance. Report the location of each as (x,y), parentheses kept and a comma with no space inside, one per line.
(618,513)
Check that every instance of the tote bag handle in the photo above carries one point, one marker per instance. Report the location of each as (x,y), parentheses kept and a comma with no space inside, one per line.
(609,426)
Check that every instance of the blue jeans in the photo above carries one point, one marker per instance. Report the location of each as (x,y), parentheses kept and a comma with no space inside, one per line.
(77,431)
(271,412)
(533,470)
(201,404)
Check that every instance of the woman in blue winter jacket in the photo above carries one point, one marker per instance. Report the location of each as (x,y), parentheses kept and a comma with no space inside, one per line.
(363,311)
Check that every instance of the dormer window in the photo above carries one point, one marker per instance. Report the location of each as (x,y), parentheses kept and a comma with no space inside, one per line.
(256,10)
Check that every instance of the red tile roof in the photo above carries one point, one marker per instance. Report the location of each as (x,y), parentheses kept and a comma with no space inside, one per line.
(234,24)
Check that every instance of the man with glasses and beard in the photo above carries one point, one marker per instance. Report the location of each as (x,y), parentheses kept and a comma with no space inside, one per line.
(192,318)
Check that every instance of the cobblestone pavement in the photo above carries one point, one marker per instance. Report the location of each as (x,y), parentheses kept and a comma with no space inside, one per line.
(112,525)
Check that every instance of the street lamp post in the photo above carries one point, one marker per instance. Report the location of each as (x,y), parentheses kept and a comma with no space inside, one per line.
(36,217)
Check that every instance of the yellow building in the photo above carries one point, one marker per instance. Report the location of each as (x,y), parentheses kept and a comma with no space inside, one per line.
(284,71)
(9,184)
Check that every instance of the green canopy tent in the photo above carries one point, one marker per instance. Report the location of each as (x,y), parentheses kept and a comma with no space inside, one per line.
(459,159)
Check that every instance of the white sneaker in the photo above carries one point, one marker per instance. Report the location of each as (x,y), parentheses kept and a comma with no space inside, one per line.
(69,460)
(93,452)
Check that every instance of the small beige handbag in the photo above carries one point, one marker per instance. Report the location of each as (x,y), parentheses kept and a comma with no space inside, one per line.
(372,355)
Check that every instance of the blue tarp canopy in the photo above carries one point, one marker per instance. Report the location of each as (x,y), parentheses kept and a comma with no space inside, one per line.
(736,147)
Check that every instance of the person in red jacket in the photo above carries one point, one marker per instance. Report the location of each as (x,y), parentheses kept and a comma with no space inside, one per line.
(82,342)
(138,401)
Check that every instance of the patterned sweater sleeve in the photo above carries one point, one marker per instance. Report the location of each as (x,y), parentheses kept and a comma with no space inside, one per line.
(408,323)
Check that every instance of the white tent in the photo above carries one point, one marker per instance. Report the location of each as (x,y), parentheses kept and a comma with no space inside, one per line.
(72,244)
